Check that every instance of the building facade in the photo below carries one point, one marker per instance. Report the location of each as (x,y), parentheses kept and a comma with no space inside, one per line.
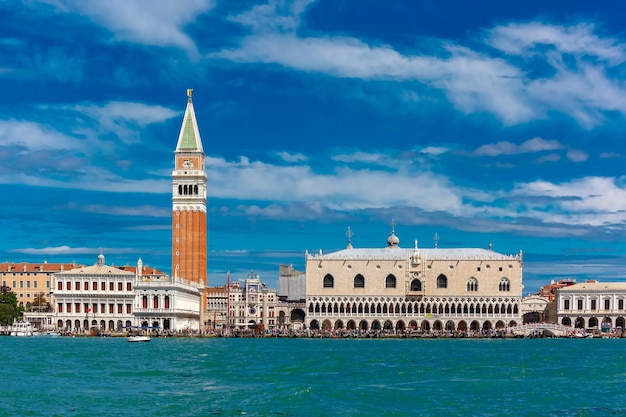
(396,289)
(107,298)
(592,305)
(29,281)
(171,304)
(98,297)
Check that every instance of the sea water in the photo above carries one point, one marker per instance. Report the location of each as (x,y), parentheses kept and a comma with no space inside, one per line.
(312,377)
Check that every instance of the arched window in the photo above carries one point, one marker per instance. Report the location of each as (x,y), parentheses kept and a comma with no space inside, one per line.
(329,281)
(416,285)
(180,189)
(442,281)
(504,285)
(195,189)
(472,284)
(390,282)
(167,301)
(359,281)
(155,302)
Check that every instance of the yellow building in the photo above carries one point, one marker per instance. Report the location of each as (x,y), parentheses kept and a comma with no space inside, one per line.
(31,280)
(393,289)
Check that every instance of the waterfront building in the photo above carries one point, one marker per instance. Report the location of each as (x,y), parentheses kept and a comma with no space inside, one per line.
(106,298)
(396,289)
(171,304)
(98,297)
(592,305)
(29,281)
(249,303)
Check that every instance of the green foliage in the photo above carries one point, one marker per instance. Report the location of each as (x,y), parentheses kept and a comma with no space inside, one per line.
(9,311)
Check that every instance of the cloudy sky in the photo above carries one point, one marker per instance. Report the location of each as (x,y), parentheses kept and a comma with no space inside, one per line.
(477,122)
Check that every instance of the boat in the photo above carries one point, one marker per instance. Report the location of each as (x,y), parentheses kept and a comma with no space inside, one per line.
(139,338)
(22,329)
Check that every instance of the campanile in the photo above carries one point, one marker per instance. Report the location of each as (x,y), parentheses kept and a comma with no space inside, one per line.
(189,200)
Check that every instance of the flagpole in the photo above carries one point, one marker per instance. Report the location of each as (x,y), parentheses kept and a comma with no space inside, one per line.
(228,303)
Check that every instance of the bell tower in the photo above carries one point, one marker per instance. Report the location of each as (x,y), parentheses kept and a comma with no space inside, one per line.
(189,200)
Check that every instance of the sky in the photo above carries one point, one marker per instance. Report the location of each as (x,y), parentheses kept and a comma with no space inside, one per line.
(463,124)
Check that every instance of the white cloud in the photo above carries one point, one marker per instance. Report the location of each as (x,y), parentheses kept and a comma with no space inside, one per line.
(473,81)
(33,136)
(577,155)
(124,118)
(148,22)
(594,201)
(524,38)
(507,148)
(291,157)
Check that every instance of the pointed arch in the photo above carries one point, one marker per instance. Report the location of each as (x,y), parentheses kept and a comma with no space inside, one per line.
(416,285)
(329,281)
(442,281)
(390,281)
(359,281)
(472,285)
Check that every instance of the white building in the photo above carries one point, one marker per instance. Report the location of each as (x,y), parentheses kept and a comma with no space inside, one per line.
(107,298)
(98,297)
(592,305)
(461,289)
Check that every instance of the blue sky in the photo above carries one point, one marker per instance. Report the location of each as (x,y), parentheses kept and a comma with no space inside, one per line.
(481,122)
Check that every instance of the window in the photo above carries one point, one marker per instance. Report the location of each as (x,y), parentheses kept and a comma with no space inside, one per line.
(94,286)
(60,286)
(607,304)
(442,281)
(128,287)
(329,281)
(68,307)
(77,285)
(155,302)
(566,305)
(504,285)
(77,306)
(144,301)
(580,304)
(167,301)
(21,284)
(48,284)
(472,285)
(68,286)
(593,304)
(110,308)
(359,281)
(86,285)
(111,288)
(119,308)
(390,281)
(128,308)
(416,285)
(28,284)
(60,307)
(103,286)
(620,304)
(119,286)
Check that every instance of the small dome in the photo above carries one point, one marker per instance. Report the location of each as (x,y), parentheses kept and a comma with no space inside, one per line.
(393,240)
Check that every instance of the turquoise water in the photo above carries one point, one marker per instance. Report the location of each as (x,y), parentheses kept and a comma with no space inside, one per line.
(312,377)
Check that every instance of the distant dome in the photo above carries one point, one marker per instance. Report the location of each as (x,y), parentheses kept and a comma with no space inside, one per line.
(393,241)
(101,259)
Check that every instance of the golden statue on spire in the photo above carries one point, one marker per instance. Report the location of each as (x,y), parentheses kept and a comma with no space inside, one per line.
(189,92)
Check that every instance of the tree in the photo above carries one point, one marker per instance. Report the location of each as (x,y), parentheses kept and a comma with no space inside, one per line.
(9,311)
(40,303)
